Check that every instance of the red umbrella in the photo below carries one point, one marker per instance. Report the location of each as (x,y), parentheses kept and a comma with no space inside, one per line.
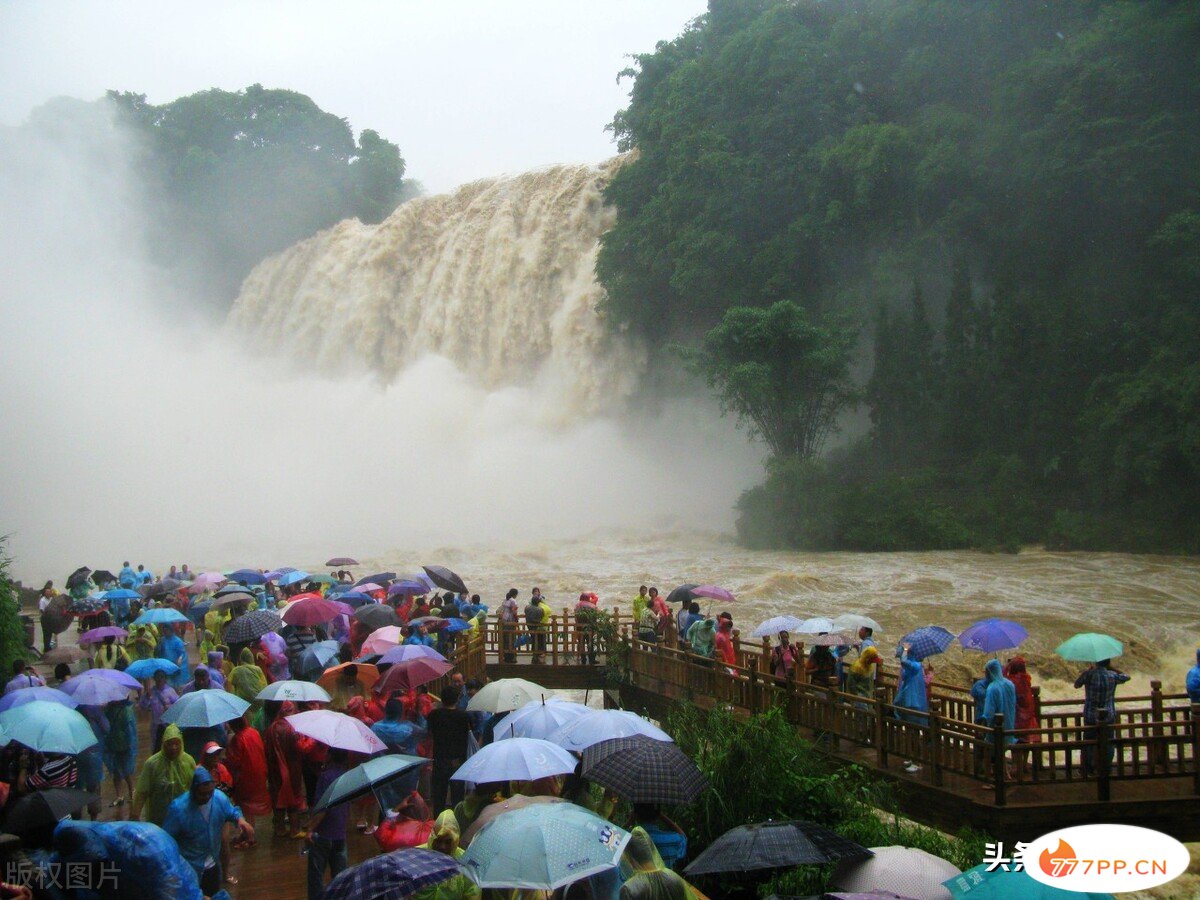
(412,673)
(311,611)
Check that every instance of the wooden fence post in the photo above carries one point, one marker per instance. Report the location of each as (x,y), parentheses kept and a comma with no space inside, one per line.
(1036,758)
(1195,728)
(881,755)
(1103,763)
(1158,754)
(935,741)
(998,767)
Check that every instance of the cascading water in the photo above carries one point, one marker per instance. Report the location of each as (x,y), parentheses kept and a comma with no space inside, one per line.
(497,277)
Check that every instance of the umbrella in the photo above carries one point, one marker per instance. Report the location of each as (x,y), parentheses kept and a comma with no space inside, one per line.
(445,579)
(164,615)
(21,696)
(517,759)
(392,876)
(341,561)
(316,656)
(89,604)
(853,622)
(292,578)
(405,652)
(146,668)
(454,626)
(404,676)
(252,626)
(408,587)
(232,598)
(300,691)
(543,847)
(927,641)
(380,578)
(369,588)
(506,694)
(643,770)
(421,578)
(774,845)
(210,579)
(62,655)
(833,639)
(48,727)
(197,611)
(714,593)
(96,635)
(376,616)
(431,623)
(120,594)
(78,577)
(489,812)
(906,870)
(1090,647)
(335,729)
(682,594)
(275,574)
(367,675)
(246,576)
(154,589)
(539,719)
(993,635)
(980,884)
(364,778)
(816,625)
(103,576)
(381,640)
(351,598)
(773,626)
(113,675)
(42,809)
(170,584)
(604,725)
(205,708)
(90,690)
(311,611)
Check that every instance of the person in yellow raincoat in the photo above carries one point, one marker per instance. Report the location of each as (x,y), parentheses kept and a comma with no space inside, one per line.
(141,642)
(164,776)
(215,621)
(247,679)
(646,876)
(444,839)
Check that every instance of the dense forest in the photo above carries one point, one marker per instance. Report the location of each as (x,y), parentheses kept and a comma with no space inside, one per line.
(231,177)
(998,202)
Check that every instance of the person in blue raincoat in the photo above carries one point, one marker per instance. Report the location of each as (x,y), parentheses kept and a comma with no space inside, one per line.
(128,578)
(172,648)
(1193,681)
(910,693)
(196,820)
(130,860)
(999,699)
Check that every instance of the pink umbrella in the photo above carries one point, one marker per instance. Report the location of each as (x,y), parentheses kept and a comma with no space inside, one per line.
(369,587)
(336,729)
(210,579)
(311,611)
(713,592)
(382,640)
(404,676)
(96,635)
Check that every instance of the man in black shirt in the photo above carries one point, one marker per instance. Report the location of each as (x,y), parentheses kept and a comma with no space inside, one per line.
(448,727)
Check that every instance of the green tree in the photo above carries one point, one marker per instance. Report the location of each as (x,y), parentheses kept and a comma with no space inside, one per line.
(785,378)
(12,633)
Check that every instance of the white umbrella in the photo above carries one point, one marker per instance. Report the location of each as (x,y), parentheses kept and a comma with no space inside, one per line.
(518,759)
(539,719)
(602,725)
(816,625)
(507,694)
(773,626)
(853,622)
(906,871)
(297,691)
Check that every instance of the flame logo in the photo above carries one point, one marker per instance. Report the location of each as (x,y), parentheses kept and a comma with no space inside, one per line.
(1059,862)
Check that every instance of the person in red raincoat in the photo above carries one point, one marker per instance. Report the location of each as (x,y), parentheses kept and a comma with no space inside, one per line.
(247,761)
(1016,672)
(285,772)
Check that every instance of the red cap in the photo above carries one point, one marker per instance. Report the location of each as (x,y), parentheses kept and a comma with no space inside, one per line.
(212,747)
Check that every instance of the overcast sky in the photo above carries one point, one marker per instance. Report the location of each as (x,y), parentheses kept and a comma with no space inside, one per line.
(467,88)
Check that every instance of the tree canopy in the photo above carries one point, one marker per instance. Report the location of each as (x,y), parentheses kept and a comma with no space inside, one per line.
(1005,196)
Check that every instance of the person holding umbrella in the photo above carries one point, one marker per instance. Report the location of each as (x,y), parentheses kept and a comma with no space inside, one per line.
(1099,682)
(327,830)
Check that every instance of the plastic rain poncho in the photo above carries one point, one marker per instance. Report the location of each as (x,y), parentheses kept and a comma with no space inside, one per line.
(148,865)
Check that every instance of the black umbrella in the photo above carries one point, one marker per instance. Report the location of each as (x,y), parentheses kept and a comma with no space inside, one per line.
(170,585)
(774,845)
(376,616)
(58,614)
(44,808)
(682,594)
(232,598)
(379,578)
(101,576)
(643,770)
(342,561)
(252,626)
(445,579)
(232,588)
(78,577)
(154,589)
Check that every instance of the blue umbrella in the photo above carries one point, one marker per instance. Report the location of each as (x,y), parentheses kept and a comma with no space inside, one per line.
(392,876)
(289,578)
(48,727)
(121,594)
(249,576)
(145,668)
(1090,647)
(352,597)
(543,847)
(276,573)
(163,615)
(93,690)
(980,884)
(197,611)
(993,635)
(28,695)
(317,656)
(456,625)
(364,778)
(928,641)
(604,725)
(204,709)
(518,759)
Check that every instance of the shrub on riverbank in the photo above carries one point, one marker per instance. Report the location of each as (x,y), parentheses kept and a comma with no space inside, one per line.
(758,769)
(12,633)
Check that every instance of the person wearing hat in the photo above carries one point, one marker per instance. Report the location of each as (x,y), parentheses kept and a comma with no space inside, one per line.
(197,820)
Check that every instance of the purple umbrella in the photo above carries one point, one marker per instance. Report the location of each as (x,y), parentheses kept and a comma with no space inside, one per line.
(408,587)
(21,696)
(379,577)
(96,635)
(94,691)
(113,675)
(341,561)
(993,635)
(336,729)
(405,652)
(713,593)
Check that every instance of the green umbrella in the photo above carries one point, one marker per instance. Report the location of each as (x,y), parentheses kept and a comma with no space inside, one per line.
(543,847)
(363,779)
(980,884)
(1090,647)
(48,727)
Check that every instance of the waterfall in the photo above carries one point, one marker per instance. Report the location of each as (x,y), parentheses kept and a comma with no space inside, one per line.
(497,276)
